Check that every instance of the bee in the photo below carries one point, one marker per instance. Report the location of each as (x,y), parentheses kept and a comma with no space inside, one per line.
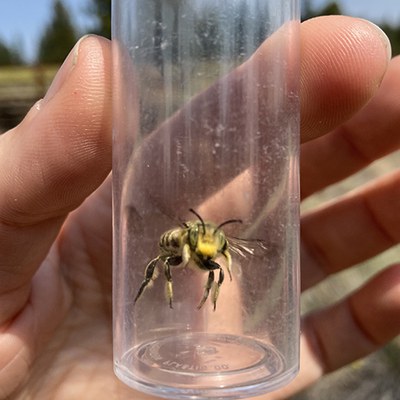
(200,242)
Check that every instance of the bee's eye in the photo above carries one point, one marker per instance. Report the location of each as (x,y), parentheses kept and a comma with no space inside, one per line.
(193,236)
(219,235)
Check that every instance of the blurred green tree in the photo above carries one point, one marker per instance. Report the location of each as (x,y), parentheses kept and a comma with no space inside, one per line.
(308,11)
(393,33)
(331,8)
(9,56)
(101,9)
(58,37)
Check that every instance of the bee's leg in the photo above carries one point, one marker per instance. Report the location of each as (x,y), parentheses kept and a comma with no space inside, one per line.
(228,258)
(217,286)
(167,271)
(148,277)
(185,254)
(209,284)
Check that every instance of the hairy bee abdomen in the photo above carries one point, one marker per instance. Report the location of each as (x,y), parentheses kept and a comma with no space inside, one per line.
(172,241)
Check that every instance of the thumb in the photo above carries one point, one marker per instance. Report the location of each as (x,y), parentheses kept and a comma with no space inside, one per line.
(50,163)
(62,150)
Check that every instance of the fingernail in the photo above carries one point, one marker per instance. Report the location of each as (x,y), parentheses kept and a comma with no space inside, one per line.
(64,72)
(385,40)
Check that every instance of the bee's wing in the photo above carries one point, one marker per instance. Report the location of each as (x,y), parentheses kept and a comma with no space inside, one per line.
(243,247)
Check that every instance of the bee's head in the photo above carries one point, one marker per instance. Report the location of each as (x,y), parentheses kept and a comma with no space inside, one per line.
(206,239)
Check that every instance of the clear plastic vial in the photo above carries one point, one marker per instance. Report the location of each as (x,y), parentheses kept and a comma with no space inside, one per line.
(206,131)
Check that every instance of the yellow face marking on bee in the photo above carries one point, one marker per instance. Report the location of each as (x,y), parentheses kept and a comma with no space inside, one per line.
(207,249)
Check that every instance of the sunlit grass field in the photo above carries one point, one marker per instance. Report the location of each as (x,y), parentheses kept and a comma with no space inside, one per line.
(20,88)
(25,75)
(25,83)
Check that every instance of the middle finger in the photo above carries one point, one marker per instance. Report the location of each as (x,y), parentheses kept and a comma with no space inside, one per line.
(351,229)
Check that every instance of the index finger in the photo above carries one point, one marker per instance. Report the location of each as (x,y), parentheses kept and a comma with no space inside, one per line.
(370,134)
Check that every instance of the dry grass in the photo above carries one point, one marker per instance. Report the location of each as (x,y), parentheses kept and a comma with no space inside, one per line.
(20,88)
(11,76)
(23,82)
(373,378)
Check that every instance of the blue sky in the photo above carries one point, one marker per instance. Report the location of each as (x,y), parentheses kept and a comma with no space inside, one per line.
(23,21)
(376,11)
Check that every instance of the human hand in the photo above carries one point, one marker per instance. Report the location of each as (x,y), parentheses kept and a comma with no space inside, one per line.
(55,246)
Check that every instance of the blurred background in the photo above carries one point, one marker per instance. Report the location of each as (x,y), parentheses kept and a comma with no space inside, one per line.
(36,36)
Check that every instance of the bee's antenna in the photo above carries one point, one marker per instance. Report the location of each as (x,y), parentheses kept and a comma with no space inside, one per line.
(201,219)
(230,221)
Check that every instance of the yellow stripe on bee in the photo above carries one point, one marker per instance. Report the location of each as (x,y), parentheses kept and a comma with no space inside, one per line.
(207,249)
